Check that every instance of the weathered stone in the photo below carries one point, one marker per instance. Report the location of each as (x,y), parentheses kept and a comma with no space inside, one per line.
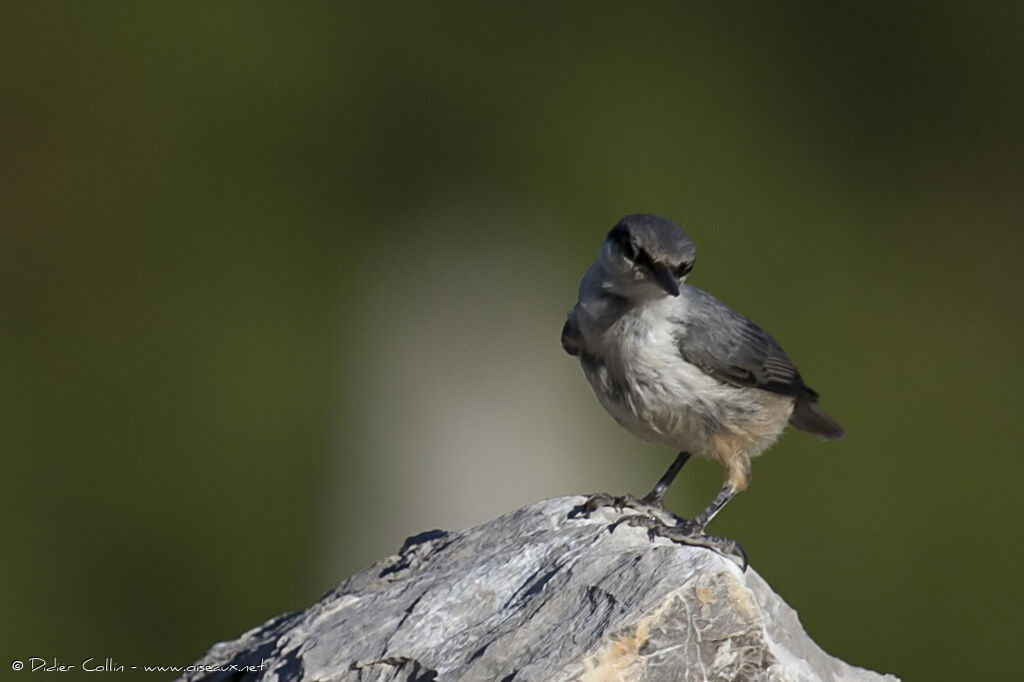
(536,595)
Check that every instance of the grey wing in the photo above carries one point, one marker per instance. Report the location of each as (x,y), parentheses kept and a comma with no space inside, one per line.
(734,350)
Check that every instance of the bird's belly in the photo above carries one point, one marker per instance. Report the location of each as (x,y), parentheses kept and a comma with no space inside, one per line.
(675,403)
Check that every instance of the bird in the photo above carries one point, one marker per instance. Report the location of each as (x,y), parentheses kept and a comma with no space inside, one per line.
(675,366)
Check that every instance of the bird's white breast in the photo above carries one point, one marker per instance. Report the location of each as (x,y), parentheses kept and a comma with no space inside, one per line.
(642,380)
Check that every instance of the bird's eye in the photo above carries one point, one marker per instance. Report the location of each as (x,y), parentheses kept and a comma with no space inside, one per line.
(683,269)
(630,250)
(620,237)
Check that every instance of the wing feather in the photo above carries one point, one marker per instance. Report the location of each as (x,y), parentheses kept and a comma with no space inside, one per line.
(734,350)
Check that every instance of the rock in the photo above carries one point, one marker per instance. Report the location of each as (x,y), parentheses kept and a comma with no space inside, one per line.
(536,595)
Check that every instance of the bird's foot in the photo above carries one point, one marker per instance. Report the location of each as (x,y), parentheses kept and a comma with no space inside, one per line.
(646,506)
(659,522)
(687,533)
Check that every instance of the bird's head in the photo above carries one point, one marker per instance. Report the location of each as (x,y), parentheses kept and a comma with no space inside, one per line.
(645,257)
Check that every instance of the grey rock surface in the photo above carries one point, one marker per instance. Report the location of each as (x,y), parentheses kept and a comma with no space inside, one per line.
(535,595)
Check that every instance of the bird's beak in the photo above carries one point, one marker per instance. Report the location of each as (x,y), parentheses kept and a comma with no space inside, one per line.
(665,279)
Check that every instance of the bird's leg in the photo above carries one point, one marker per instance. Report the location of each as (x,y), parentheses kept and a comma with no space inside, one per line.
(651,504)
(704,518)
(659,522)
(692,532)
(656,497)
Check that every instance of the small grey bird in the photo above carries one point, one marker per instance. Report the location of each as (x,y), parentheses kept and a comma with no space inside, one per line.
(675,366)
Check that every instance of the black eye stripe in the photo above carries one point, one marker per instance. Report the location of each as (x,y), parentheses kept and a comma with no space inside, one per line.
(643,260)
(620,237)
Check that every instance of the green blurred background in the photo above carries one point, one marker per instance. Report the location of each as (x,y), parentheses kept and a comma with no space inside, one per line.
(283,284)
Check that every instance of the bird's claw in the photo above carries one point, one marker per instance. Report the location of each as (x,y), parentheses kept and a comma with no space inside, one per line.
(651,517)
(643,507)
(687,533)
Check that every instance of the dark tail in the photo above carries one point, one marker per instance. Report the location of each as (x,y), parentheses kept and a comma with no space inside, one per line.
(808,416)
